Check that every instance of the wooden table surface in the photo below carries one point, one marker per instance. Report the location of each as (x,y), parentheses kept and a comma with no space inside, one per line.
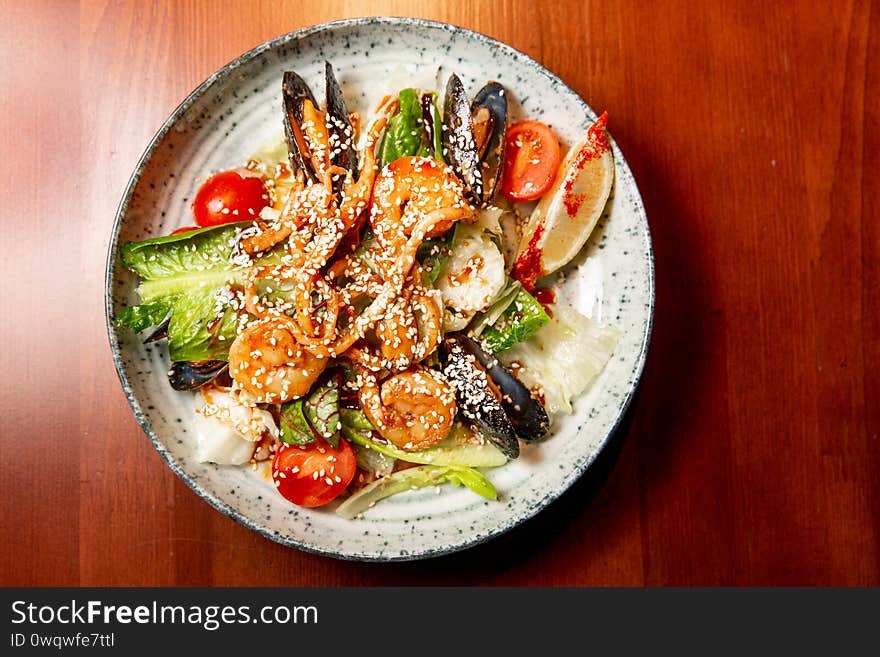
(752,454)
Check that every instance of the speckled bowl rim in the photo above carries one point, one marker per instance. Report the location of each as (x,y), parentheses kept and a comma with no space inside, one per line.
(417,23)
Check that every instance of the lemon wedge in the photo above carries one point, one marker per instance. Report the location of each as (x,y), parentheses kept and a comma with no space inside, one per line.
(561,223)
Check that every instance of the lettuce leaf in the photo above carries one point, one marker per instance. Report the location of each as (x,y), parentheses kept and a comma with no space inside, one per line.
(433,253)
(499,304)
(412,478)
(372,461)
(403,135)
(141,317)
(563,357)
(322,410)
(406,134)
(186,275)
(522,318)
(355,419)
(295,429)
(206,249)
(432,140)
(306,419)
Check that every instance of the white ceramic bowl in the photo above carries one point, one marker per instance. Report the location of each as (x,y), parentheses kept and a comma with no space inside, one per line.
(236,111)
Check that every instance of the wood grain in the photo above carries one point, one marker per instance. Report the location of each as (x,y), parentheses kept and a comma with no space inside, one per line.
(752,455)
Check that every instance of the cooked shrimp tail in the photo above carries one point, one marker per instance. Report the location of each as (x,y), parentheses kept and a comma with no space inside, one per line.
(267,362)
(414,409)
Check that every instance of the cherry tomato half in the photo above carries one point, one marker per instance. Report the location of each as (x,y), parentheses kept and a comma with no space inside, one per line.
(183,229)
(531,160)
(312,475)
(229,196)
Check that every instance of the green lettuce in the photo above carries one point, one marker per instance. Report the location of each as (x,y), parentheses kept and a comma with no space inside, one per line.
(520,320)
(206,249)
(406,135)
(569,338)
(432,254)
(139,318)
(418,477)
(185,275)
(295,428)
(322,410)
(317,416)
(437,144)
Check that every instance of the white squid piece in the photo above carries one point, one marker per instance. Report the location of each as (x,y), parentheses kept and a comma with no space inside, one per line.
(228,431)
(472,277)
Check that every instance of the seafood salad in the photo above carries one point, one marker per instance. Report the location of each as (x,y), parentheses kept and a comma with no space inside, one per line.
(369,305)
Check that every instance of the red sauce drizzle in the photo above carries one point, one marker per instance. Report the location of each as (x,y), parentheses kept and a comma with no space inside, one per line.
(573,203)
(528,269)
(595,146)
(546,297)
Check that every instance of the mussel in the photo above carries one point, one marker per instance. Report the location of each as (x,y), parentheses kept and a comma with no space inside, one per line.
(342,136)
(459,142)
(527,415)
(160,332)
(191,374)
(295,92)
(478,399)
(474,135)
(489,112)
(490,396)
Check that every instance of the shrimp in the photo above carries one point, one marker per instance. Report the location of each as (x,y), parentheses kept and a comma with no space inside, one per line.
(409,332)
(398,332)
(406,191)
(267,362)
(413,198)
(395,276)
(413,409)
(316,226)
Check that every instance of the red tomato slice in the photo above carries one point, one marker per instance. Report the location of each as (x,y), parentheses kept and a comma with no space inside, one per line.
(531,161)
(183,229)
(229,196)
(312,475)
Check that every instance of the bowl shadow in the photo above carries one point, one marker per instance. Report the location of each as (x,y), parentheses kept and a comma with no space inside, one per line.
(535,534)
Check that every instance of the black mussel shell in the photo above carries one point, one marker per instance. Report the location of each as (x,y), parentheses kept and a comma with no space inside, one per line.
(478,401)
(190,375)
(459,143)
(343,152)
(160,332)
(489,110)
(295,92)
(527,415)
